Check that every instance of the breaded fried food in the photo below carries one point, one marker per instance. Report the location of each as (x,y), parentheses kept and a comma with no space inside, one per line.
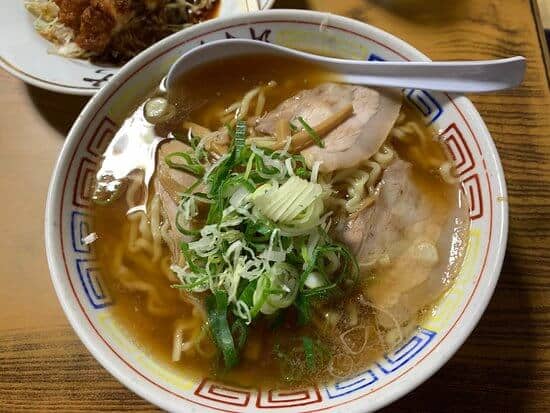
(70,12)
(95,30)
(112,31)
(100,20)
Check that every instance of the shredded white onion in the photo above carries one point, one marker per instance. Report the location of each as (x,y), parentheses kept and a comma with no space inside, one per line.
(314,280)
(315,171)
(90,238)
(288,164)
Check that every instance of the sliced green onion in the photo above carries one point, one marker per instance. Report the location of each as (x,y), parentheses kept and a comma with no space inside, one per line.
(309,352)
(194,185)
(257,233)
(283,287)
(189,165)
(247,295)
(182,229)
(319,292)
(233,182)
(215,213)
(199,282)
(190,259)
(262,247)
(302,305)
(311,132)
(349,268)
(239,331)
(216,307)
(240,136)
(260,295)
(194,140)
(249,165)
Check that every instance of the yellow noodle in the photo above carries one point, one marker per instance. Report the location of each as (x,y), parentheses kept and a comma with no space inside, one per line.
(242,112)
(361,182)
(260,103)
(155,228)
(154,303)
(196,129)
(185,333)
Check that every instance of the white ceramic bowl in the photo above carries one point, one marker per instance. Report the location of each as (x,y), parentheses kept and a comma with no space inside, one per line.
(26,55)
(87,304)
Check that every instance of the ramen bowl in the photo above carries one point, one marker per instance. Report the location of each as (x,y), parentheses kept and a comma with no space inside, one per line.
(89,306)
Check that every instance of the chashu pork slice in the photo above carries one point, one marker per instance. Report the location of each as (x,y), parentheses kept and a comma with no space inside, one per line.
(356,139)
(412,239)
(169,184)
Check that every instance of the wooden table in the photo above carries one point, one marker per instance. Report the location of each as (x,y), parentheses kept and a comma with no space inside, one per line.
(504,365)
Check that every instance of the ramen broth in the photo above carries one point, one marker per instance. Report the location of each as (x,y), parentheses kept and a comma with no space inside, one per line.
(148,308)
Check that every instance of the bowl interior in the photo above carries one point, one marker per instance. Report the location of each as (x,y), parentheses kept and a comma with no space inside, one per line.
(88,304)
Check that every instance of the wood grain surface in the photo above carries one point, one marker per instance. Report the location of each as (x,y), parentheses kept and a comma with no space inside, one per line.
(505,364)
(544,7)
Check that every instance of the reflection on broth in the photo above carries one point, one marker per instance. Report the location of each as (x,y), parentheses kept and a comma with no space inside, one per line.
(295,228)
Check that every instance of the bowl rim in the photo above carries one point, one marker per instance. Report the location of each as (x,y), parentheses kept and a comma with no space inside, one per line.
(61,88)
(87,333)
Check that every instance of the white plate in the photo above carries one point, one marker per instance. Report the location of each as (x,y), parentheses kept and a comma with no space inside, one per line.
(26,55)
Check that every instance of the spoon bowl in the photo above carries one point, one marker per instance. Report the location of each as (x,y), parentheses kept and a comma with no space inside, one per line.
(463,77)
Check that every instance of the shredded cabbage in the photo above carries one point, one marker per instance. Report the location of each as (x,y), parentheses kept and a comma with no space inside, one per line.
(47,24)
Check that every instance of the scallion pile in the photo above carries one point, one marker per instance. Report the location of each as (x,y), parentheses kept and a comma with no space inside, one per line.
(262,247)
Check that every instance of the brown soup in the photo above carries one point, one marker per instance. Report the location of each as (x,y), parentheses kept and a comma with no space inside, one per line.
(347,331)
